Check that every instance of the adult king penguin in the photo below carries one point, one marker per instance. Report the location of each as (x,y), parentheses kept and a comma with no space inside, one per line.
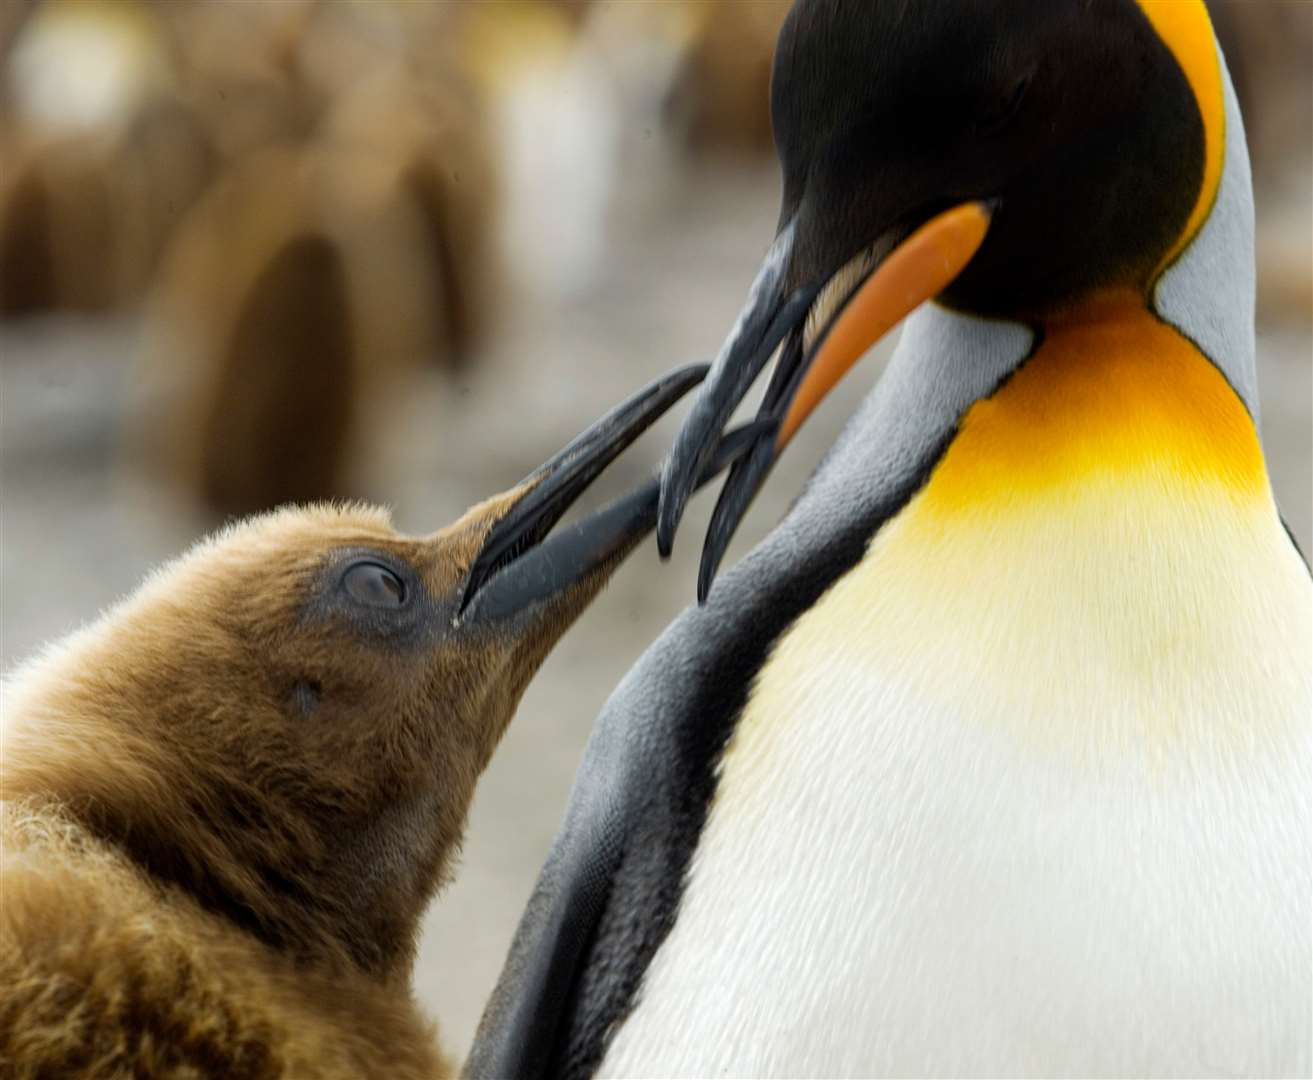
(993,759)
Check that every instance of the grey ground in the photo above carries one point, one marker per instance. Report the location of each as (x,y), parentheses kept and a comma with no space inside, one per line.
(78,527)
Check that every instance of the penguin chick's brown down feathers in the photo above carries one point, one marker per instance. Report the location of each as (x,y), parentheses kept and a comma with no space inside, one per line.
(228,801)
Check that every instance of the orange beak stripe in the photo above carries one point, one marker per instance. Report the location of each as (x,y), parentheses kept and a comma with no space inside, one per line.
(921,267)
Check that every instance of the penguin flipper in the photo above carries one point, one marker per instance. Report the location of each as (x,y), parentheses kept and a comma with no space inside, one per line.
(630,780)
(520,1030)
(1294,542)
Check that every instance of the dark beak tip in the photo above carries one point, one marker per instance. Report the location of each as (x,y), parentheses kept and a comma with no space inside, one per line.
(522,530)
(670,507)
(706,578)
(665,530)
(665,533)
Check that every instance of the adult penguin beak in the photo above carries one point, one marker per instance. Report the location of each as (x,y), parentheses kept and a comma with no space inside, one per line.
(824,325)
(517,569)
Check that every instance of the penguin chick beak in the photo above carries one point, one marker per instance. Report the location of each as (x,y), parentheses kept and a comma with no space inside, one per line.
(515,570)
(825,326)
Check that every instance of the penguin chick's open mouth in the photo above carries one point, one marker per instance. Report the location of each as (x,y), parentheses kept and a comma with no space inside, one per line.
(821,328)
(515,569)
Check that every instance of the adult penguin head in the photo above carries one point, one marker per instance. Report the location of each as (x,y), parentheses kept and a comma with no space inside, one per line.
(1011,160)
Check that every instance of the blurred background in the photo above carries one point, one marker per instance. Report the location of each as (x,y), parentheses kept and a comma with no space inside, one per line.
(403,250)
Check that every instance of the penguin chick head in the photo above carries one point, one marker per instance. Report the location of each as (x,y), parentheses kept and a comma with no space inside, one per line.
(287,723)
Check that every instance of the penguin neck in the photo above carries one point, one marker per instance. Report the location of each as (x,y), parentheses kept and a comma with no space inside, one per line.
(1111,306)
(1110,395)
(1097,534)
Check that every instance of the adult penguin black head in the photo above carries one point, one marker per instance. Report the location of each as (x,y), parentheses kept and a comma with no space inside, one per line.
(1010,159)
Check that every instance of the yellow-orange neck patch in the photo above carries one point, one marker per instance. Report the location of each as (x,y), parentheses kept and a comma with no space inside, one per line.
(1112,393)
(1186,30)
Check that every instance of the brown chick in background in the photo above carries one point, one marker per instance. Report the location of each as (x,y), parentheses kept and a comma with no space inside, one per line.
(299,297)
(84,217)
(316,278)
(720,98)
(102,157)
(308,193)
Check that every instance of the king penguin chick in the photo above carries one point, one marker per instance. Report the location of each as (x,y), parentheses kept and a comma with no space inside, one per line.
(229,800)
(993,758)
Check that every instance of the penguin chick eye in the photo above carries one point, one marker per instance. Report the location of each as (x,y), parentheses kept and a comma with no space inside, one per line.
(306,694)
(374,585)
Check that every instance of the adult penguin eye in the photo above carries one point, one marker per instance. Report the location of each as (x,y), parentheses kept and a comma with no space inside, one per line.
(995,115)
(374,585)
